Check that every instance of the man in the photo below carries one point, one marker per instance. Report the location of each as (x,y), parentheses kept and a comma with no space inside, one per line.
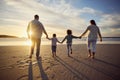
(34,31)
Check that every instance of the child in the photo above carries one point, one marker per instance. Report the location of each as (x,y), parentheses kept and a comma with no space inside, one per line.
(69,38)
(92,37)
(54,44)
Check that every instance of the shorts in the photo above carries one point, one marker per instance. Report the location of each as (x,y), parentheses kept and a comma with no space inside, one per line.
(53,49)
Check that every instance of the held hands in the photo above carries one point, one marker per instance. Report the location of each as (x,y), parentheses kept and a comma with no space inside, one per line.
(47,36)
(80,37)
(101,39)
(61,42)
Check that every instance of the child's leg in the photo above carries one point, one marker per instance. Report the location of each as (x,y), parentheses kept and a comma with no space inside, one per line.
(55,51)
(71,48)
(53,54)
(68,47)
(52,51)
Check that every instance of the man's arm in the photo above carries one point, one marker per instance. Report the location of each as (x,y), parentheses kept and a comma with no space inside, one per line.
(28,30)
(44,31)
(49,38)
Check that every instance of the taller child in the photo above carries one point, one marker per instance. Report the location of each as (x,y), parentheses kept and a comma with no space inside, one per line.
(69,38)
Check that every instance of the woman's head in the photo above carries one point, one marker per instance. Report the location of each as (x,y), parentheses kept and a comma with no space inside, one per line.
(69,32)
(92,22)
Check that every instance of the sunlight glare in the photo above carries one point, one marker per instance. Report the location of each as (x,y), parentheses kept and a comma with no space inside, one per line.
(30,33)
(29,43)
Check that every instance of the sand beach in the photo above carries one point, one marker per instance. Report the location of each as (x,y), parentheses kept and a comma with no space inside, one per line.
(16,65)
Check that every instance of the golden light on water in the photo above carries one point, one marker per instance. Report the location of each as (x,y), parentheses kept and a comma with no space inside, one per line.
(29,42)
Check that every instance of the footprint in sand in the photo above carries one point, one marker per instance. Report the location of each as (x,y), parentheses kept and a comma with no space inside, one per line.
(24,77)
(47,68)
(23,63)
(52,76)
(6,67)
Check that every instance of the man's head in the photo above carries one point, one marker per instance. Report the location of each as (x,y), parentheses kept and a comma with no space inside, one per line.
(36,17)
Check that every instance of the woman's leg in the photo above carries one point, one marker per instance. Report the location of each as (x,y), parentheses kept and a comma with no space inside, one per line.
(89,50)
(93,48)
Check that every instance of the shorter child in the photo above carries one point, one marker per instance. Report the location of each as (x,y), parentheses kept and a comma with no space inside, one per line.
(54,44)
(69,38)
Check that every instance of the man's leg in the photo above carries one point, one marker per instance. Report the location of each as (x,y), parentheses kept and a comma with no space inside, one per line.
(38,42)
(32,48)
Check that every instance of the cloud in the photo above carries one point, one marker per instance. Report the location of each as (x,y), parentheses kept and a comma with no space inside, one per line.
(88,10)
(110,20)
(56,15)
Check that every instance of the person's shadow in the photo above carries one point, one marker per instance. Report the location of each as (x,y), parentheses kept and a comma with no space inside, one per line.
(30,72)
(43,74)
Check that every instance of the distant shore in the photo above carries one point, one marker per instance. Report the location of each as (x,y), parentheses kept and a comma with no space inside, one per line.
(8,36)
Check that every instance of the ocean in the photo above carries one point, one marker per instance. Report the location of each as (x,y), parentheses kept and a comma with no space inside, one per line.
(44,41)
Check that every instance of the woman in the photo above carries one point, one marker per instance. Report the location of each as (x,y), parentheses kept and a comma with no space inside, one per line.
(92,37)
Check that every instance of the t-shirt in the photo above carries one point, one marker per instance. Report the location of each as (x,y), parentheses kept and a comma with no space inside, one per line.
(37,28)
(54,41)
(93,32)
(69,38)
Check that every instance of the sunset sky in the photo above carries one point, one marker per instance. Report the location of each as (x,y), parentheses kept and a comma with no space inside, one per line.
(59,15)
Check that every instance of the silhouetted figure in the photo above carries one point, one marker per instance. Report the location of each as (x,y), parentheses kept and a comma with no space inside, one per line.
(69,38)
(35,30)
(92,37)
(54,44)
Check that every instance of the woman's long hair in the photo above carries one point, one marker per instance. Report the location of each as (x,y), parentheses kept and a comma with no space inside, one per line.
(93,22)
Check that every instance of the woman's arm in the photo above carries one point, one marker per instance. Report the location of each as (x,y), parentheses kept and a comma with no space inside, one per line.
(99,34)
(84,32)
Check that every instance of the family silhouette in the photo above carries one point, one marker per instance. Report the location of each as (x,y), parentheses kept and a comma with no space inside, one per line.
(37,29)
